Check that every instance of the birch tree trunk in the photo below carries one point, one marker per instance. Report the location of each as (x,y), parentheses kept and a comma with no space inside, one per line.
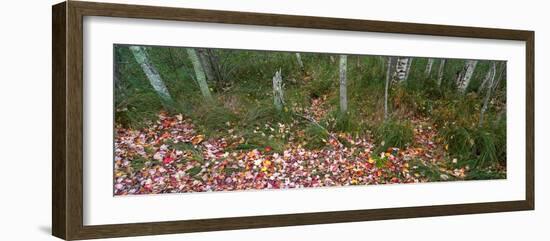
(388,78)
(278,98)
(401,69)
(409,64)
(492,74)
(429,67)
(485,80)
(151,72)
(299,59)
(343,85)
(199,73)
(465,75)
(206,64)
(440,72)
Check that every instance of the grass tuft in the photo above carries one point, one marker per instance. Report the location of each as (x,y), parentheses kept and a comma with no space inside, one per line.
(394,133)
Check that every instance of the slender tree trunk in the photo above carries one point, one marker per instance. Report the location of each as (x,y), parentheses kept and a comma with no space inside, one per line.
(199,73)
(501,73)
(492,74)
(488,75)
(151,72)
(429,67)
(278,97)
(440,72)
(206,64)
(409,64)
(299,59)
(387,86)
(465,75)
(343,85)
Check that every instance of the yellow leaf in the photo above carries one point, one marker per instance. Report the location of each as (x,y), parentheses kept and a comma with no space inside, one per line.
(371,161)
(197,139)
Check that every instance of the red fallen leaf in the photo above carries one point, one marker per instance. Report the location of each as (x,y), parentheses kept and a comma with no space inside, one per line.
(167,159)
(165,135)
(166,123)
(268,149)
(275,185)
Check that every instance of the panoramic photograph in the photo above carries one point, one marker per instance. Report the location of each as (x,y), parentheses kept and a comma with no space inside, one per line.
(207,120)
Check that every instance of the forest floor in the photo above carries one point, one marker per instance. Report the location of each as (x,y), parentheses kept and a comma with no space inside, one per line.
(171,156)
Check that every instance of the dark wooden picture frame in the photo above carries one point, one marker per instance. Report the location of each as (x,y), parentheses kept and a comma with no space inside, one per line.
(67,124)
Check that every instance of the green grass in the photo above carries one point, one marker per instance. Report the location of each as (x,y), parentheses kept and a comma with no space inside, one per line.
(138,163)
(196,152)
(212,119)
(482,174)
(394,133)
(257,141)
(429,171)
(194,171)
(315,136)
(264,113)
(481,145)
(319,87)
(485,148)
(380,162)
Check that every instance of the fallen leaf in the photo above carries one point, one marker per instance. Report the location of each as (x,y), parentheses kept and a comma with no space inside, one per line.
(197,139)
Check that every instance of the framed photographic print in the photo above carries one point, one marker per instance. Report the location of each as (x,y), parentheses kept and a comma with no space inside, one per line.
(171,120)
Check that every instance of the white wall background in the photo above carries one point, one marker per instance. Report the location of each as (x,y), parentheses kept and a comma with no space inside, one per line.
(25,120)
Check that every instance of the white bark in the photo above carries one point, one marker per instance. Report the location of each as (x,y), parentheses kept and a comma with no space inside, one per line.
(206,64)
(343,85)
(388,78)
(299,59)
(151,72)
(409,64)
(199,74)
(485,80)
(278,97)
(401,69)
(440,72)
(429,67)
(491,80)
(465,75)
